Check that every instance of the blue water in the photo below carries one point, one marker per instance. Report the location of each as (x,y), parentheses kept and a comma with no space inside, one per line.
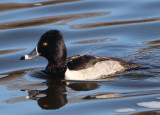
(119,28)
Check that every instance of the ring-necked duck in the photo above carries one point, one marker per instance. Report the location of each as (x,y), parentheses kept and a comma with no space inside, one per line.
(79,67)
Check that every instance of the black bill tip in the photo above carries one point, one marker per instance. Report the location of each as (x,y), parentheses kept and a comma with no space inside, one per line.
(22,58)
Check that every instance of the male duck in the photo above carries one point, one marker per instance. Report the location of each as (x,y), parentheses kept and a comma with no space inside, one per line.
(79,67)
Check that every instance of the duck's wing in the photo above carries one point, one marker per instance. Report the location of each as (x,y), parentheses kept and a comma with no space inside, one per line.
(79,62)
(126,64)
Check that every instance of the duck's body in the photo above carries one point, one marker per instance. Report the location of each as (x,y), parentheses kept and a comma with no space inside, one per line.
(87,67)
(80,67)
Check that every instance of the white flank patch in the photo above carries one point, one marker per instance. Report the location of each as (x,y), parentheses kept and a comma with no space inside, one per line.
(151,104)
(125,110)
(96,72)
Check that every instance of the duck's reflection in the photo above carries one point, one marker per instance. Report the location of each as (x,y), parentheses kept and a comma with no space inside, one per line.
(55,96)
(83,86)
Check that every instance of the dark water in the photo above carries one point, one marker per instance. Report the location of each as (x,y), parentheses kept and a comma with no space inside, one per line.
(120,28)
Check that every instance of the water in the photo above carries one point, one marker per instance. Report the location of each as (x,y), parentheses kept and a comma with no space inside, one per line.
(119,28)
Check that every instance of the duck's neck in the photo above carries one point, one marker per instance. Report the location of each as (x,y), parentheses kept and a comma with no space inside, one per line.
(56,70)
(57,62)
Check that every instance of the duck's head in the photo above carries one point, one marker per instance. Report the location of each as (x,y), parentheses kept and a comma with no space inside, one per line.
(51,46)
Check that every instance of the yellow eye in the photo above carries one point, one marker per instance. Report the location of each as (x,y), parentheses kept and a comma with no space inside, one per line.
(45,43)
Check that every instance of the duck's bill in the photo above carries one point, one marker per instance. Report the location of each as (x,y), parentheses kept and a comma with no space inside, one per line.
(31,55)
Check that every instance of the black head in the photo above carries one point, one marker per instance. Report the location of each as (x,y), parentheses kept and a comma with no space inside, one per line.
(51,46)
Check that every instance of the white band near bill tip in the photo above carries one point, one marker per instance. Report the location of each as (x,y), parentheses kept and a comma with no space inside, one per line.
(26,57)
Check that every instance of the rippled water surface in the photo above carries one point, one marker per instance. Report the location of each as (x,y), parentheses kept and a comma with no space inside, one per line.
(119,28)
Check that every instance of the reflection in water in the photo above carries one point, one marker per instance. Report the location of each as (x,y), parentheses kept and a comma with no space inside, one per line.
(61,20)
(3,52)
(15,80)
(150,48)
(151,45)
(124,110)
(95,48)
(104,24)
(95,41)
(155,112)
(83,86)
(13,6)
(148,56)
(152,42)
(55,96)
(111,95)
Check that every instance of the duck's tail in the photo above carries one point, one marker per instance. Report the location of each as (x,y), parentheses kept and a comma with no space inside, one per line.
(130,65)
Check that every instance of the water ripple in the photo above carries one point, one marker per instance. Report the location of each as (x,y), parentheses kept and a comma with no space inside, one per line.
(94,41)
(14,6)
(104,24)
(3,52)
(60,20)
